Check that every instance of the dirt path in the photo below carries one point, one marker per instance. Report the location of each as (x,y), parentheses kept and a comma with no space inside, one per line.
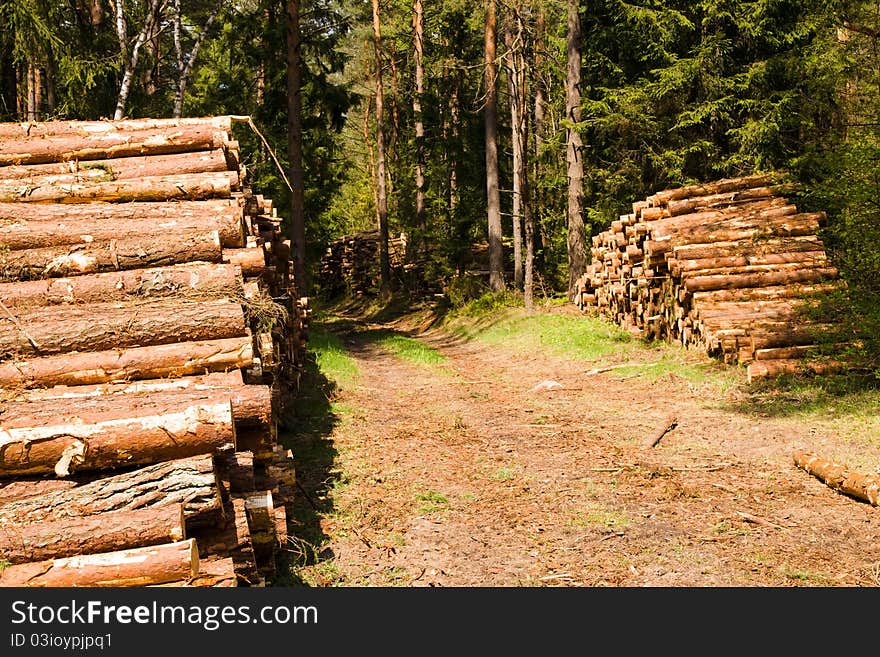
(461,474)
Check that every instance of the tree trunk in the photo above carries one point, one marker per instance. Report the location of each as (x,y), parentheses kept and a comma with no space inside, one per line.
(295,147)
(577,248)
(194,280)
(418,50)
(514,79)
(155,141)
(153,362)
(185,64)
(130,60)
(381,189)
(105,532)
(109,438)
(191,482)
(493,194)
(63,330)
(155,564)
(161,250)
(120,168)
(88,131)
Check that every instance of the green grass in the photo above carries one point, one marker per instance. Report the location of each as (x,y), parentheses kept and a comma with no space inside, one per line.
(431,501)
(332,358)
(406,348)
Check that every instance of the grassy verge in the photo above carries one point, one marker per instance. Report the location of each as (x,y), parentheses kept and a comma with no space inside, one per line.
(405,347)
(332,358)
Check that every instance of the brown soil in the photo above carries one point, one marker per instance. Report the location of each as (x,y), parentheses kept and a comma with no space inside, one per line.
(462,475)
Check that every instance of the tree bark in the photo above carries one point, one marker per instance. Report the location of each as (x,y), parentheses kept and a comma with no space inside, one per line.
(706,189)
(153,362)
(194,280)
(155,564)
(103,128)
(381,176)
(418,57)
(864,487)
(185,63)
(109,438)
(514,80)
(66,329)
(88,257)
(213,572)
(577,248)
(112,144)
(233,540)
(493,194)
(295,147)
(759,279)
(251,260)
(130,60)
(105,532)
(191,482)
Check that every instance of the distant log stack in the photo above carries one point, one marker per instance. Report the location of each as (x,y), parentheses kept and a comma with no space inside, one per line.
(351,263)
(730,266)
(151,334)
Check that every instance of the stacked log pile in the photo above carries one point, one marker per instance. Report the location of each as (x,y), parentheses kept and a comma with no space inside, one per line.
(351,263)
(731,267)
(150,336)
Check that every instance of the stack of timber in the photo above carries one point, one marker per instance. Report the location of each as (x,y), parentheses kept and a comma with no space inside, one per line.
(150,336)
(731,267)
(351,263)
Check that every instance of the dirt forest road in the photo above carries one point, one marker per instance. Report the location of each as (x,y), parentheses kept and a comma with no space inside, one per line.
(493,469)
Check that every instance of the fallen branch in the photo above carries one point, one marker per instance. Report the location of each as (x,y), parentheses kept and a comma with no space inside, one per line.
(863,487)
(668,425)
(757,520)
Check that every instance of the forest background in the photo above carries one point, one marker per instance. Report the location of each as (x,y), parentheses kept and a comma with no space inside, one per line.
(497,135)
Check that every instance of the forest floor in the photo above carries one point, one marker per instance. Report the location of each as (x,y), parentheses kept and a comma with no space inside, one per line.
(496,463)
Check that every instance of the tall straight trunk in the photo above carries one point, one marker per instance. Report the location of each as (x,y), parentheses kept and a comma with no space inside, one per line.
(372,153)
(185,62)
(493,195)
(540,109)
(516,133)
(31,92)
(381,190)
(577,251)
(418,48)
(96,12)
(130,60)
(295,146)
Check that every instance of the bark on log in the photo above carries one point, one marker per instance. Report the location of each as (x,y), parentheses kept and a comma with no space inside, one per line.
(213,572)
(105,532)
(251,260)
(864,487)
(161,250)
(110,439)
(765,369)
(191,482)
(761,293)
(717,187)
(31,129)
(137,567)
(683,206)
(761,279)
(236,471)
(20,489)
(185,186)
(679,266)
(83,228)
(740,248)
(112,144)
(197,280)
(119,168)
(233,540)
(102,327)
(137,363)
(655,437)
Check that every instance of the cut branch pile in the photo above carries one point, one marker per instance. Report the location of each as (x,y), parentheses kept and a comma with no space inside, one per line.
(730,267)
(150,336)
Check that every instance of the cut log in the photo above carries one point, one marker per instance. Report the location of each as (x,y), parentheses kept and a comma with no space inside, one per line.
(213,572)
(233,540)
(105,532)
(814,258)
(716,187)
(768,292)
(83,228)
(101,327)
(104,440)
(154,362)
(162,250)
(864,487)
(765,369)
(119,168)
(195,280)
(155,141)
(191,482)
(236,471)
(155,564)
(682,206)
(740,248)
(31,129)
(251,260)
(185,186)
(761,279)
(20,489)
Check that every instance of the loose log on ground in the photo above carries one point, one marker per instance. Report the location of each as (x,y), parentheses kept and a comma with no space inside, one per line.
(155,141)
(136,363)
(185,186)
(196,280)
(101,327)
(119,168)
(765,369)
(82,228)
(191,482)
(105,532)
(109,439)
(162,250)
(864,487)
(142,566)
